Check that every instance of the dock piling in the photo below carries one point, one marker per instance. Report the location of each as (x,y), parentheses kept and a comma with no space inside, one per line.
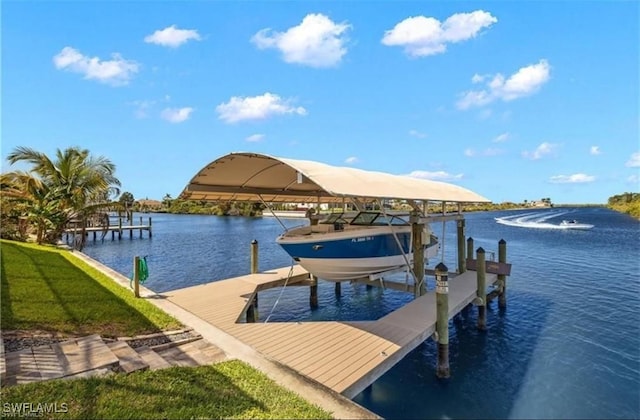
(418,255)
(502,279)
(313,292)
(469,248)
(442,320)
(338,289)
(254,256)
(252,310)
(482,289)
(461,251)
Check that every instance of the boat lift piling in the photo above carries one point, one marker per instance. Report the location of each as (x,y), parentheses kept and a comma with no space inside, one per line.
(461,251)
(481,300)
(313,292)
(418,254)
(501,287)
(502,279)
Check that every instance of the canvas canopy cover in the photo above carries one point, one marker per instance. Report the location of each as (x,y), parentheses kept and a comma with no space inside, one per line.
(255,177)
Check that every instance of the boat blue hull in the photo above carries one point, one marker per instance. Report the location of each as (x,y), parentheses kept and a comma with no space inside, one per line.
(374,246)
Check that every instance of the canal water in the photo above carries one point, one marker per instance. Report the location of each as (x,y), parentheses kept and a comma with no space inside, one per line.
(567,346)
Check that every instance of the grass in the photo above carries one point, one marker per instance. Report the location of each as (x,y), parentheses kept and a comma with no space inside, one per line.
(46,289)
(43,288)
(226,390)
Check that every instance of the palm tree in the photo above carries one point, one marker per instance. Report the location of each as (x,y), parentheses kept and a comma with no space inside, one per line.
(166,201)
(73,186)
(34,200)
(127,201)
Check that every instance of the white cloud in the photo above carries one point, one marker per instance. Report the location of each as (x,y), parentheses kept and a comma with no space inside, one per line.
(633,179)
(486,152)
(594,150)
(317,41)
(501,138)
(524,82)
(417,134)
(172,37)
(256,108)
(176,115)
(255,138)
(116,71)
(351,160)
(436,176)
(422,36)
(572,179)
(544,149)
(634,160)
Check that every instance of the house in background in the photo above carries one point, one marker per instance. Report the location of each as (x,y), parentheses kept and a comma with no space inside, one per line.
(545,202)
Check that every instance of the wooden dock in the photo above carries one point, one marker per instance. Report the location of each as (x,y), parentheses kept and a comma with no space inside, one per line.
(344,356)
(118,229)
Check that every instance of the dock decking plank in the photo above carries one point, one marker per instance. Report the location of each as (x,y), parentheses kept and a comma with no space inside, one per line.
(340,361)
(314,341)
(303,335)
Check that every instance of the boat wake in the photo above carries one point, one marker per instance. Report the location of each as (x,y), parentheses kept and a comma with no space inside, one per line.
(537,221)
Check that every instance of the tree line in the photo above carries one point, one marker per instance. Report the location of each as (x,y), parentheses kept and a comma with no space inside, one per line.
(627,202)
(77,189)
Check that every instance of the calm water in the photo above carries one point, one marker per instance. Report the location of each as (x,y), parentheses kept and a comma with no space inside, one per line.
(568,345)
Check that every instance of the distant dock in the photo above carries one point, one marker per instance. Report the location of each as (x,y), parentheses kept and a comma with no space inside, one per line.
(117,229)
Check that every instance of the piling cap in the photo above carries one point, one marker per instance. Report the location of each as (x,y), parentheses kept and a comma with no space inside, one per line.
(480,250)
(442,268)
(502,242)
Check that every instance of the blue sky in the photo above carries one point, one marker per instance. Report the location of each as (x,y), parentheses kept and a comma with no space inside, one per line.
(514,100)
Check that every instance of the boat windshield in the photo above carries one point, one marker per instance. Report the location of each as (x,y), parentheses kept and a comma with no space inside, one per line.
(368,218)
(334,218)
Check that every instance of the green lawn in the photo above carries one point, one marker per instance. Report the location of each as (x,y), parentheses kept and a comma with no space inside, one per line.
(225,390)
(45,289)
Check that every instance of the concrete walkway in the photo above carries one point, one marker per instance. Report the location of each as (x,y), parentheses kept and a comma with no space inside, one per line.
(93,356)
(340,406)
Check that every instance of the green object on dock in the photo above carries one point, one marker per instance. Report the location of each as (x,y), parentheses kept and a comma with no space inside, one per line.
(143,269)
(140,273)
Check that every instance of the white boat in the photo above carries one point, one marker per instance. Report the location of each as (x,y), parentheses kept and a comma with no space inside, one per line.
(340,248)
(573,224)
